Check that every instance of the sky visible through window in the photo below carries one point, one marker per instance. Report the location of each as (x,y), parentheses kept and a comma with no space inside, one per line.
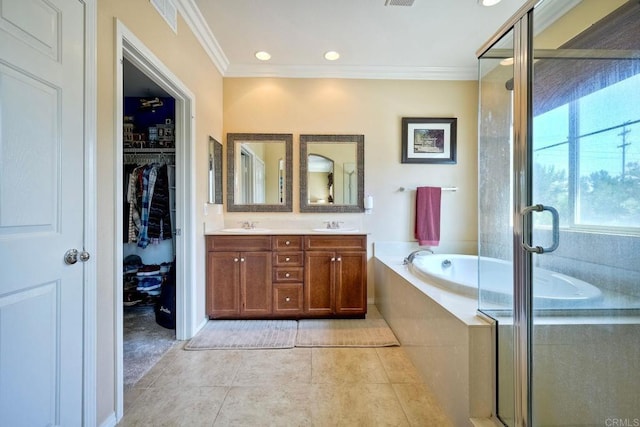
(608,156)
(606,108)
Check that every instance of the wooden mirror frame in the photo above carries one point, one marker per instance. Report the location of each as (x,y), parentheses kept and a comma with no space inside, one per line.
(320,208)
(232,138)
(215,171)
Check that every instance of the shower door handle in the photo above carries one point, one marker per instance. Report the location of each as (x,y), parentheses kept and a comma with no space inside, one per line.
(555,229)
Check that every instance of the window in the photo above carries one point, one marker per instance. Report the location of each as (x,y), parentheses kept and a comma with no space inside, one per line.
(587,158)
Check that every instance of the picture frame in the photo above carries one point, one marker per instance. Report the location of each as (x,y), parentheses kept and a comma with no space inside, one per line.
(429,140)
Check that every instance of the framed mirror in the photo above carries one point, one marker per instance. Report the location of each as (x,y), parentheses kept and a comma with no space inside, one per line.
(259,167)
(331,173)
(215,172)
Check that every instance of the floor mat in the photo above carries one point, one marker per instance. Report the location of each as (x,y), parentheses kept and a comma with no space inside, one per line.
(244,334)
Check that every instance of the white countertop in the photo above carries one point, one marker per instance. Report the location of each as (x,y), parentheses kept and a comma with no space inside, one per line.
(283,231)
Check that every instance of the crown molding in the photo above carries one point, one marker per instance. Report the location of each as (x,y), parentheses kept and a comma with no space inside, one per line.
(353,72)
(198,25)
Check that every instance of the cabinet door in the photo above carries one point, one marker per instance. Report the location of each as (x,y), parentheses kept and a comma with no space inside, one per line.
(318,283)
(287,299)
(255,283)
(223,276)
(351,283)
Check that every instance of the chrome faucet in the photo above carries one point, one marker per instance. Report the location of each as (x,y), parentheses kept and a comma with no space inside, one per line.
(248,225)
(409,259)
(333,225)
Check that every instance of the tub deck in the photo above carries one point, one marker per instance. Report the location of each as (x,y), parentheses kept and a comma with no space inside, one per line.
(446,339)
(453,346)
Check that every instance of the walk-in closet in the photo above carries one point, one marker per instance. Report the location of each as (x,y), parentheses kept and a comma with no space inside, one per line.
(149,261)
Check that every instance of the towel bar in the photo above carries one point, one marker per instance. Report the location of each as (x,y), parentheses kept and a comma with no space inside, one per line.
(443,189)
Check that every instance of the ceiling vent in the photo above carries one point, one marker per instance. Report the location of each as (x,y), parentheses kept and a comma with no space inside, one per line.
(399,2)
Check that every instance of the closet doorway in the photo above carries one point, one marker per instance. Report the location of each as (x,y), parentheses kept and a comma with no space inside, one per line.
(149,223)
(132,55)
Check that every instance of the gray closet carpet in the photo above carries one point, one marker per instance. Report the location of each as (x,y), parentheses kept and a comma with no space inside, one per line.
(145,342)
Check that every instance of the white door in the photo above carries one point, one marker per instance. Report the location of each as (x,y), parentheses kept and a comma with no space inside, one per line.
(259,181)
(41,211)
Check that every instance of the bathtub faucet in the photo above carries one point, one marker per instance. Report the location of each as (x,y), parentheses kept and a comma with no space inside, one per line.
(412,255)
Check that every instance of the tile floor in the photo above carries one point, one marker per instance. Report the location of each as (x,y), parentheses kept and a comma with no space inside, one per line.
(292,387)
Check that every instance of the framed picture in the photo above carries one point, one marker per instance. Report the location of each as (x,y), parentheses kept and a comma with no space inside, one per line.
(429,140)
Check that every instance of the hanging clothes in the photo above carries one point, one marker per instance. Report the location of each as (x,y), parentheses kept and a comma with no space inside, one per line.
(134,198)
(127,171)
(149,210)
(159,221)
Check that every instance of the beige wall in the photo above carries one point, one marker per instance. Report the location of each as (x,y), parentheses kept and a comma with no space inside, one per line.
(373,108)
(186,59)
(370,107)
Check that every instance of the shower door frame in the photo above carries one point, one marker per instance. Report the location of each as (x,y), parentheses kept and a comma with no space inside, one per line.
(521,24)
(522,195)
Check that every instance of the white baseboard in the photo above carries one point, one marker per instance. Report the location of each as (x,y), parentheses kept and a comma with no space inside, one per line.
(110,421)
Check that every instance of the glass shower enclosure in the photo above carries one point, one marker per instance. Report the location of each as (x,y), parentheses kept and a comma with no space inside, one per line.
(559,212)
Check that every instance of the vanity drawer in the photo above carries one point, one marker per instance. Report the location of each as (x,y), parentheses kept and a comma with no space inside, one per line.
(338,242)
(287,299)
(291,259)
(288,274)
(283,243)
(238,243)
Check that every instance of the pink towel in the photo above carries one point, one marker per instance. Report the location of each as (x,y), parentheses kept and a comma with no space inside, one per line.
(427,230)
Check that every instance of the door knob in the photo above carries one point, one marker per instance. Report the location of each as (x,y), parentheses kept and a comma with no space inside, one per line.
(71,256)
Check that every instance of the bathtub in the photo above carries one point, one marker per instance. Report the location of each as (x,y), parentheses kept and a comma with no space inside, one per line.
(459,273)
(441,332)
(434,315)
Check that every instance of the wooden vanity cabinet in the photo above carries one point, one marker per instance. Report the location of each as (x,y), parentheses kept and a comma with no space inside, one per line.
(239,277)
(286,276)
(335,276)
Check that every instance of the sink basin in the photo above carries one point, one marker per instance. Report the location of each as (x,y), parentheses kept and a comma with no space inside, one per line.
(245,230)
(336,230)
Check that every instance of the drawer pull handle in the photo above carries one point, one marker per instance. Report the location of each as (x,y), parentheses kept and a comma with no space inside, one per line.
(339,259)
(241,259)
(333,259)
(287,299)
(235,260)
(287,243)
(287,259)
(287,275)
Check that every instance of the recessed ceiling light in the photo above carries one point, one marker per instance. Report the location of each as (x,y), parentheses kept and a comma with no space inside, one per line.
(263,56)
(332,55)
(488,2)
